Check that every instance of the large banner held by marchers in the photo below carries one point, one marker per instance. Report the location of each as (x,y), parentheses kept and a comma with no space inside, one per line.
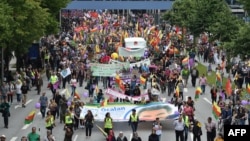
(119,95)
(120,112)
(106,69)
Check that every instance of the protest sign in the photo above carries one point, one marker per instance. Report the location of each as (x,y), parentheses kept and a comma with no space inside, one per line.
(105,69)
(65,72)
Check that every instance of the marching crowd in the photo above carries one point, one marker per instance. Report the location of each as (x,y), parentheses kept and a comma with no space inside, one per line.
(93,37)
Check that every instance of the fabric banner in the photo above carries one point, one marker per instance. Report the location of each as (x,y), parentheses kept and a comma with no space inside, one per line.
(106,69)
(146,61)
(65,72)
(119,95)
(127,53)
(120,112)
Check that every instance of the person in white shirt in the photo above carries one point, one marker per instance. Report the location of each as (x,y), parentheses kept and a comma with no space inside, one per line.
(18,91)
(157,126)
(179,128)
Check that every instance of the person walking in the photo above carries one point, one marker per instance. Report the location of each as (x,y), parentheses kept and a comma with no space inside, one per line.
(157,126)
(11,91)
(3,92)
(49,136)
(39,84)
(5,109)
(63,108)
(187,125)
(133,120)
(211,129)
(77,112)
(203,83)
(153,136)
(53,79)
(89,123)
(68,133)
(24,89)
(44,103)
(213,93)
(197,132)
(108,123)
(33,136)
(69,119)
(18,91)
(179,128)
(50,121)
(194,75)
(136,137)
(73,83)
(111,136)
(121,137)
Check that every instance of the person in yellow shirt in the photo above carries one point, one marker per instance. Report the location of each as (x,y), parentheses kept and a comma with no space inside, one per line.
(108,123)
(219,137)
(49,121)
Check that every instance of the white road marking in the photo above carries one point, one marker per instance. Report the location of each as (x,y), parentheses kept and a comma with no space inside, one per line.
(207,100)
(191,136)
(75,138)
(19,106)
(130,138)
(28,102)
(186,98)
(26,126)
(13,139)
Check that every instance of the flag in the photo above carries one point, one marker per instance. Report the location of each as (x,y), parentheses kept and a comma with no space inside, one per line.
(142,80)
(121,85)
(216,110)
(198,91)
(228,87)
(218,76)
(248,88)
(30,117)
(185,61)
(117,79)
(77,95)
(56,85)
(177,91)
(94,14)
(104,102)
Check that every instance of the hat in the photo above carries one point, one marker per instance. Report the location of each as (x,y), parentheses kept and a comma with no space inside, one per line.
(133,110)
(3,136)
(121,132)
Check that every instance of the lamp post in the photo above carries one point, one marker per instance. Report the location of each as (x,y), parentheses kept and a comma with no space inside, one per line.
(2,66)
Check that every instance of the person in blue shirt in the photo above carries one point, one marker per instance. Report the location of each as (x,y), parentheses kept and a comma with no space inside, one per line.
(226,115)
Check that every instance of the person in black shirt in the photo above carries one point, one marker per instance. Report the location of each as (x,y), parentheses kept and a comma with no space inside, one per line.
(57,99)
(24,90)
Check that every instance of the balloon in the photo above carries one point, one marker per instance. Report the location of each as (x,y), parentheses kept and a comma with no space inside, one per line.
(93,86)
(68,103)
(85,94)
(38,105)
(244,102)
(114,55)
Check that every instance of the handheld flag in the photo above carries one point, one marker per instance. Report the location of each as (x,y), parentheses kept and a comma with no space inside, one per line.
(216,110)
(218,76)
(142,80)
(30,117)
(228,87)
(185,61)
(104,103)
(77,96)
(177,91)
(198,91)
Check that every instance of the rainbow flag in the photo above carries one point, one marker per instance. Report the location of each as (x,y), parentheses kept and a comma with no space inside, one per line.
(30,117)
(142,80)
(216,110)
(198,91)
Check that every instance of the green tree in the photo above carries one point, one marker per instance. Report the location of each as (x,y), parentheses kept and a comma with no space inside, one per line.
(54,7)
(246,5)
(30,23)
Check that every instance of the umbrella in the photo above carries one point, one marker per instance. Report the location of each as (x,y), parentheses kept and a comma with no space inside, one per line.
(104,133)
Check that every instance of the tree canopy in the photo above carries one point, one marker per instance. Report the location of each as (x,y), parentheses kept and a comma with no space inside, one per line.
(24,21)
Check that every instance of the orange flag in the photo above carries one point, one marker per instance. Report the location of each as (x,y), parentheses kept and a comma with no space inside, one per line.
(248,88)
(228,87)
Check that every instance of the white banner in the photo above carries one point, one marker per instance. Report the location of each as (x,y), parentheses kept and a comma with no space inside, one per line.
(127,53)
(106,69)
(146,61)
(66,72)
(116,94)
(121,112)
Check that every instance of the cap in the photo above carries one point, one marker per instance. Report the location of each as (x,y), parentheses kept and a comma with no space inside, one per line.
(121,132)
(3,136)
(133,110)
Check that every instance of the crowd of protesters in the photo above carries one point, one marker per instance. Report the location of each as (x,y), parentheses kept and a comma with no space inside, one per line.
(89,36)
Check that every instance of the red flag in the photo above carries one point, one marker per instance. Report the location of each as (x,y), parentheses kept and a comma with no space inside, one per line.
(94,14)
(228,87)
